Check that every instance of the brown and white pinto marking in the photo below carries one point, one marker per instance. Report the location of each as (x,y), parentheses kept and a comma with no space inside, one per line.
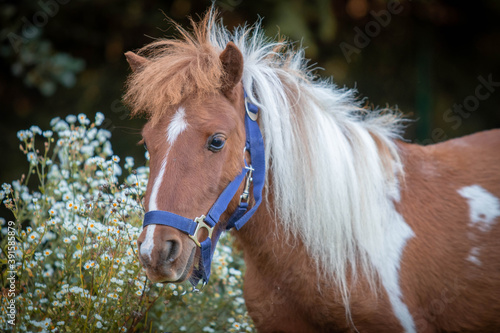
(359,230)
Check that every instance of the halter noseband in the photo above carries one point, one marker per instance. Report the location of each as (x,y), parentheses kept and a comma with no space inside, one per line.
(254,173)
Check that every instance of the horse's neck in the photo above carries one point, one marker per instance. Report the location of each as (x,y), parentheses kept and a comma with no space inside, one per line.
(283,289)
(266,245)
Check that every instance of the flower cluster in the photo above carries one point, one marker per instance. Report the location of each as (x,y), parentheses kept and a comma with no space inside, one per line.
(76,266)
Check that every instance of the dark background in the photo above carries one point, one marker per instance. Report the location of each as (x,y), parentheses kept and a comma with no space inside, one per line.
(66,57)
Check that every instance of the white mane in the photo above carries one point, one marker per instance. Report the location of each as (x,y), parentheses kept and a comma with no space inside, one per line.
(334,164)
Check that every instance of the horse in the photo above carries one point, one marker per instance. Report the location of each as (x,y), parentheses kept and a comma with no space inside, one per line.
(357,229)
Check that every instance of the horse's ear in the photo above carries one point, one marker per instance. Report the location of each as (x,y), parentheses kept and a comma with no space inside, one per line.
(135,61)
(232,63)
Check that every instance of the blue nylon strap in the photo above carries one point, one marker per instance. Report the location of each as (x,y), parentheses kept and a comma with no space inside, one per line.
(170,219)
(238,213)
(255,146)
(206,259)
(220,205)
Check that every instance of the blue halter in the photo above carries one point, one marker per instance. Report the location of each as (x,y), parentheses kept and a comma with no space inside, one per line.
(255,173)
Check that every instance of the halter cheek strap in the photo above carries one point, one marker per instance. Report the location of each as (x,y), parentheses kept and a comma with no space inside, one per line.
(255,173)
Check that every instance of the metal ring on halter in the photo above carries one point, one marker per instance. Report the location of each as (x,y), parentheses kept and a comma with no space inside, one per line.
(201,225)
(250,114)
(245,156)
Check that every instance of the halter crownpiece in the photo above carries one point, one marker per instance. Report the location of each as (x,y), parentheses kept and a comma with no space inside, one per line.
(254,173)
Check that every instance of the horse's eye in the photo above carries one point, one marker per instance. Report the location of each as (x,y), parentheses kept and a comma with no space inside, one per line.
(216,142)
(145,146)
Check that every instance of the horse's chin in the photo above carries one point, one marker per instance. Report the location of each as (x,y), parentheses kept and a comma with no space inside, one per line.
(169,275)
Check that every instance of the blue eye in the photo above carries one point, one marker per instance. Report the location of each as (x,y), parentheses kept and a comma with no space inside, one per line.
(216,142)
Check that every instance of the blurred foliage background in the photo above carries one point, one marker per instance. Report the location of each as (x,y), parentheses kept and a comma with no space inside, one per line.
(60,57)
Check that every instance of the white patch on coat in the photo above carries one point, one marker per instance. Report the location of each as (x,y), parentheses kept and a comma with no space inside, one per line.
(484,207)
(388,265)
(148,244)
(473,256)
(174,129)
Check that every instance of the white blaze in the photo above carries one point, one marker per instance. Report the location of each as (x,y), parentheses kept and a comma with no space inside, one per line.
(175,128)
(147,246)
(156,186)
(177,125)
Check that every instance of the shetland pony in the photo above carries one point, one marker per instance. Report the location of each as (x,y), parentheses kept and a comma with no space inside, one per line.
(358,231)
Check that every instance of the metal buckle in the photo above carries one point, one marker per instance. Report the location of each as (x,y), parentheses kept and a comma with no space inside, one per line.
(201,225)
(250,114)
(196,290)
(246,190)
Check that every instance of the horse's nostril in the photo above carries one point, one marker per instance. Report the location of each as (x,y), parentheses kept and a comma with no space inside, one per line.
(172,250)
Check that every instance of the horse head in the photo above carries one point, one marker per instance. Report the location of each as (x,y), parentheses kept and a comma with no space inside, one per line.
(195,137)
